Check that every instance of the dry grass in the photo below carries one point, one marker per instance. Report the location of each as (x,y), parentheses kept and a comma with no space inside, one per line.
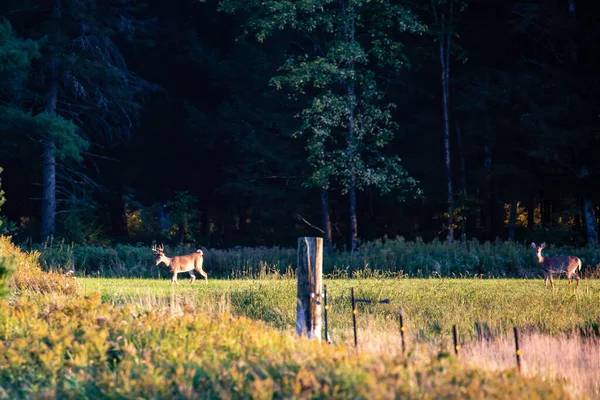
(569,358)
(28,276)
(564,360)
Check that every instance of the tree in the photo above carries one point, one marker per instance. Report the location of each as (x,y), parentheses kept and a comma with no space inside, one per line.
(81,92)
(444,40)
(345,54)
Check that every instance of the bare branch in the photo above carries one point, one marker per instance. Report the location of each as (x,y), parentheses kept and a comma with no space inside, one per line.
(301,218)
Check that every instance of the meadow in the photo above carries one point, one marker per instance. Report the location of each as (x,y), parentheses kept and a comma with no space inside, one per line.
(101,337)
(559,327)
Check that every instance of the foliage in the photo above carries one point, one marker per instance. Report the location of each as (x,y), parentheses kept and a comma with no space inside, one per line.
(398,256)
(28,276)
(184,216)
(87,348)
(16,57)
(347,122)
(138,261)
(79,220)
(6,270)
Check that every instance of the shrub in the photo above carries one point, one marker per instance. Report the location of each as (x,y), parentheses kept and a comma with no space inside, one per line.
(28,275)
(393,256)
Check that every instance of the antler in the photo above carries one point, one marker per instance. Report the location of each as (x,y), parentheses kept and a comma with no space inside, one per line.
(158,249)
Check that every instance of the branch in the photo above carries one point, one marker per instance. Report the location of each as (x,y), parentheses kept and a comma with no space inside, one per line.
(300,217)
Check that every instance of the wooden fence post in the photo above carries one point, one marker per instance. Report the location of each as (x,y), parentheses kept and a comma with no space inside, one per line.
(310,287)
(517,348)
(402,330)
(326,307)
(354,312)
(455,340)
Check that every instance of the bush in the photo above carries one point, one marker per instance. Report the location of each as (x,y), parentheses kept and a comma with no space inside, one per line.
(6,271)
(28,275)
(391,256)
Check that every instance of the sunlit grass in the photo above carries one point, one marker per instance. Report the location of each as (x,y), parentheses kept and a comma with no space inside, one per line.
(479,307)
(559,328)
(85,348)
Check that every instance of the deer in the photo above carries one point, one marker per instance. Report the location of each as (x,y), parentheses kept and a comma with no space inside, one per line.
(557,265)
(186,263)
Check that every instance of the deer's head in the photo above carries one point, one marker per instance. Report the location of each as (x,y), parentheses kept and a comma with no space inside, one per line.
(539,248)
(159,252)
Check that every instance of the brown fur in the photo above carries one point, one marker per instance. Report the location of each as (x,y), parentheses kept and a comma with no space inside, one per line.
(186,263)
(557,265)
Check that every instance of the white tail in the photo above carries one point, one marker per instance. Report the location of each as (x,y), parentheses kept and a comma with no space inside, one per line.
(186,263)
(557,265)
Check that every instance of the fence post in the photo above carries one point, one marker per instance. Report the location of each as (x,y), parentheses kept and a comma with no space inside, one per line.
(455,340)
(402,330)
(326,307)
(310,284)
(517,349)
(354,312)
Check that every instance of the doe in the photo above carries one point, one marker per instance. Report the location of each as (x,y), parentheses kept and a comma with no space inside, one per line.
(557,265)
(187,263)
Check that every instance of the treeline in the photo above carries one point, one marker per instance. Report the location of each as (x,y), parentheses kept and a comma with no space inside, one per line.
(238,123)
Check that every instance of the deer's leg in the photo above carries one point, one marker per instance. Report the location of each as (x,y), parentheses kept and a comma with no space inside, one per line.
(551,281)
(576,278)
(174,278)
(201,272)
(546,280)
(192,277)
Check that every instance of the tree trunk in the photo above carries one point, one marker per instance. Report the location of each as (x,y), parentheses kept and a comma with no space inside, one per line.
(326,221)
(512,220)
(463,177)
(353,219)
(445,78)
(118,218)
(49,190)
(531,212)
(590,221)
(547,211)
(49,159)
(487,207)
(588,208)
(48,155)
(349,37)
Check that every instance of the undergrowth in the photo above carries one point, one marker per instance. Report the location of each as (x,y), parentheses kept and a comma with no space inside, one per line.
(28,276)
(396,257)
(85,348)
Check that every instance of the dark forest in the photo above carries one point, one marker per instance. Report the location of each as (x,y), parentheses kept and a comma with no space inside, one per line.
(244,122)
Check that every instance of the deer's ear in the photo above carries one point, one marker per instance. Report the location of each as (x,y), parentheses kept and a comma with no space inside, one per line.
(533,245)
(543,245)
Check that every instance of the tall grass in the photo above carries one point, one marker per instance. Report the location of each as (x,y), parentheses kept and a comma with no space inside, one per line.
(482,308)
(28,276)
(391,256)
(89,349)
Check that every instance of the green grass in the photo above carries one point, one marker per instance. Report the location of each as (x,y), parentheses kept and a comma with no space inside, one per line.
(479,307)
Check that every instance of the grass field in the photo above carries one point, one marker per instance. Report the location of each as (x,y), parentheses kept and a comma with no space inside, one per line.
(486,308)
(559,328)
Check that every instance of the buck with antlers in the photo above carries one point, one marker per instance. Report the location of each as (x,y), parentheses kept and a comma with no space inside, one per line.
(557,265)
(187,263)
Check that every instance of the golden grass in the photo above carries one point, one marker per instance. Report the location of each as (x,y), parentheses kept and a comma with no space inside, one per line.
(564,358)
(28,276)
(85,348)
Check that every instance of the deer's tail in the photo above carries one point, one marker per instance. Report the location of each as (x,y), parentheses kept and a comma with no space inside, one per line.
(200,251)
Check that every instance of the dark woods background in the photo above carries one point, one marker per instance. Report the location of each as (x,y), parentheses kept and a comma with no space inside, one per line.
(129,121)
